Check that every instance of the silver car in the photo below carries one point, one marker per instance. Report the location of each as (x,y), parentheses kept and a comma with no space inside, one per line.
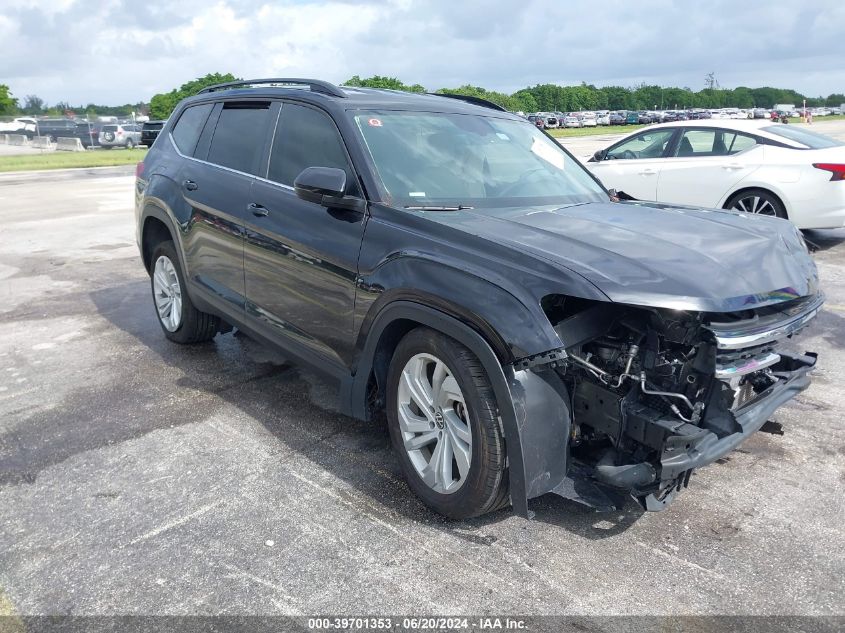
(126,135)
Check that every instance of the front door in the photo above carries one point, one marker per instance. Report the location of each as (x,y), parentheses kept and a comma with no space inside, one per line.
(633,165)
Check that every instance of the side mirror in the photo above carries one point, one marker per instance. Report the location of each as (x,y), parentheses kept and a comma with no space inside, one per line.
(326,186)
(600,155)
(315,182)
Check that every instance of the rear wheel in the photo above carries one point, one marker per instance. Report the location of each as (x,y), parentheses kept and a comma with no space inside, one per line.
(130,143)
(444,426)
(757,201)
(179,319)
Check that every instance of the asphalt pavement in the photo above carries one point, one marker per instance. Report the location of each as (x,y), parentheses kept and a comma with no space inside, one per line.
(138,476)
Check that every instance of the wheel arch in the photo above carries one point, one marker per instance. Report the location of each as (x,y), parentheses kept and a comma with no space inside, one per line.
(155,226)
(514,393)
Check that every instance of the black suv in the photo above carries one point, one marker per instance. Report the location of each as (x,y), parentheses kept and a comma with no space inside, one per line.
(150,131)
(445,261)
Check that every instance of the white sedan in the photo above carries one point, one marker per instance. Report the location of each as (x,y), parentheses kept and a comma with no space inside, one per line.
(757,166)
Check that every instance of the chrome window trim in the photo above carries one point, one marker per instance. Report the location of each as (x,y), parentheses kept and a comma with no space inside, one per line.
(229,169)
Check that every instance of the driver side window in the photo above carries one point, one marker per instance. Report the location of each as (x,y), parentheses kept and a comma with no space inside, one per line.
(647,144)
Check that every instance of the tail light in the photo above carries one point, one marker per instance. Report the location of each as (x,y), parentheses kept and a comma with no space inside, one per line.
(139,169)
(838,170)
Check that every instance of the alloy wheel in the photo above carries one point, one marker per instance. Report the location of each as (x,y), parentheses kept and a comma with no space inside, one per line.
(434,423)
(167,293)
(755,204)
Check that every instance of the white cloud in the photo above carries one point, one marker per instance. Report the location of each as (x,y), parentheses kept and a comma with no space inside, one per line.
(124,51)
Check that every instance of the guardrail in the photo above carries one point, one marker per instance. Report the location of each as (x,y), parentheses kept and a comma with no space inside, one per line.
(42,142)
(18,139)
(66,144)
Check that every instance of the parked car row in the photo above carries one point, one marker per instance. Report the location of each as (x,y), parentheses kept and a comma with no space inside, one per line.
(90,133)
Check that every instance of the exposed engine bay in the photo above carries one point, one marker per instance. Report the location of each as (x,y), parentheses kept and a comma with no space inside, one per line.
(656,393)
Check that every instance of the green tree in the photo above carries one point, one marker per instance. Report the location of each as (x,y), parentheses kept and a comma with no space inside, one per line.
(32,104)
(377,81)
(499,98)
(162,104)
(835,100)
(8,104)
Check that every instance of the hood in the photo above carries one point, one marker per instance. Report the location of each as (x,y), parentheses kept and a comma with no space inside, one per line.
(658,255)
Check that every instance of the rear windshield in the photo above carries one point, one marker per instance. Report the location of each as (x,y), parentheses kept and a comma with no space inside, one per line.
(812,140)
(153,126)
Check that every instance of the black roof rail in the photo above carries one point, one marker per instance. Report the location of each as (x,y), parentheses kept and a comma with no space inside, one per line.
(315,85)
(474,100)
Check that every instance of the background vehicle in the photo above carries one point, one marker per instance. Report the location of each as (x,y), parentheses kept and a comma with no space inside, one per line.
(603,117)
(571,120)
(150,131)
(524,332)
(617,118)
(19,125)
(126,135)
(759,167)
(87,133)
(55,128)
(588,119)
(632,117)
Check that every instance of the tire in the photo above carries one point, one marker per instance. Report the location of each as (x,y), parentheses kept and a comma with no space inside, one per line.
(757,201)
(130,143)
(183,323)
(453,426)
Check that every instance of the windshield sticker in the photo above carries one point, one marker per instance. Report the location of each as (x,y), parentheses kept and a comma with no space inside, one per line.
(374,122)
(548,154)
(416,194)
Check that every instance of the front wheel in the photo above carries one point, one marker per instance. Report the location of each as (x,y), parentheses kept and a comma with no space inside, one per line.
(444,426)
(757,201)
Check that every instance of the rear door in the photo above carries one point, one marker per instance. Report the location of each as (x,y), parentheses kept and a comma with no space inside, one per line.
(215,182)
(632,166)
(301,258)
(705,164)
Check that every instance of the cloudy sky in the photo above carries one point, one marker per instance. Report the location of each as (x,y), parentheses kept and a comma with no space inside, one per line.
(119,51)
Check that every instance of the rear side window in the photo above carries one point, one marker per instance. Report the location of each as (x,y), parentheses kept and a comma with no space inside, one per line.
(307,138)
(189,126)
(109,128)
(812,140)
(238,139)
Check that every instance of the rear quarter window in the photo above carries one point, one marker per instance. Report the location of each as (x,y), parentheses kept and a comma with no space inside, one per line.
(812,140)
(189,126)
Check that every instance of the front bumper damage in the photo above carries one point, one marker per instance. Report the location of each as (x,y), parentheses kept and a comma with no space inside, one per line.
(685,447)
(648,449)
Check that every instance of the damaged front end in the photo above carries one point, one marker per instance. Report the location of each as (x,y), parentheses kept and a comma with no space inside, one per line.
(655,393)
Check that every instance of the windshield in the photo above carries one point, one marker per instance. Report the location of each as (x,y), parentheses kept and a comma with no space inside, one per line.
(813,140)
(435,159)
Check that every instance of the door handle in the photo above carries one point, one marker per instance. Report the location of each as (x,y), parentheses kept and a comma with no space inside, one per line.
(258,210)
(190,185)
(648,172)
(732,166)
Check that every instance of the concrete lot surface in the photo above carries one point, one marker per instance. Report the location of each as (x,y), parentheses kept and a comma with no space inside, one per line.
(141,477)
